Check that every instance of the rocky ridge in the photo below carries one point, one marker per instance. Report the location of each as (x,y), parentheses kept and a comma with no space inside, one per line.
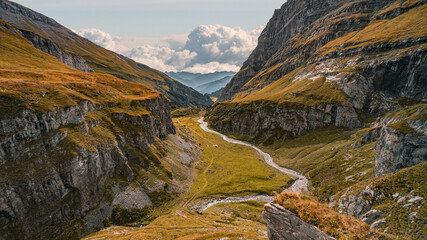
(51,37)
(364,70)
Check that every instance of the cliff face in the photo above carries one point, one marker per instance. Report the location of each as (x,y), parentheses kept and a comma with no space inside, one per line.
(73,144)
(393,202)
(48,182)
(357,56)
(51,37)
(265,119)
(397,150)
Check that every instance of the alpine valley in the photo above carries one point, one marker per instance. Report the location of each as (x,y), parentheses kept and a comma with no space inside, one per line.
(322,134)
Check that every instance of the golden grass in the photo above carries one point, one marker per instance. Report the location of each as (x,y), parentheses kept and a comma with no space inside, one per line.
(411,24)
(39,82)
(327,158)
(332,223)
(407,181)
(305,92)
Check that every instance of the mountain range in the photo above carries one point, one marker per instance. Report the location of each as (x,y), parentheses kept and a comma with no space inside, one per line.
(203,83)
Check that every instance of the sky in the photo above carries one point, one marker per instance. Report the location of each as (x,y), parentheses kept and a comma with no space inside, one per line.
(169,35)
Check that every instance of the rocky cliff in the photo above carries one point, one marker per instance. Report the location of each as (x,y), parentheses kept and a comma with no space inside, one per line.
(357,58)
(51,48)
(51,37)
(263,119)
(399,148)
(49,180)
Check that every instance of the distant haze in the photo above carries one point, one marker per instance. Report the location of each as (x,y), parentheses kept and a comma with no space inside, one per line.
(200,36)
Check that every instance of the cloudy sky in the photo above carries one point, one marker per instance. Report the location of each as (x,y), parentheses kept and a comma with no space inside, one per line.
(169,35)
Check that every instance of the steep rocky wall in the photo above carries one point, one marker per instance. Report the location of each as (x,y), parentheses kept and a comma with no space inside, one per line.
(283,224)
(397,150)
(296,45)
(265,119)
(47,182)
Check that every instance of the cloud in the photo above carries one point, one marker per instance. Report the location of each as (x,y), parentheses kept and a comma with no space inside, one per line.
(206,49)
(216,43)
(103,39)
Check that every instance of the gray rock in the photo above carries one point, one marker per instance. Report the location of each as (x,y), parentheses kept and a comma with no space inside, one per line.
(371,216)
(378,223)
(269,119)
(283,224)
(396,150)
(132,198)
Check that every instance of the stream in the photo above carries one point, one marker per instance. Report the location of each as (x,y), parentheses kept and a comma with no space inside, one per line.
(299,185)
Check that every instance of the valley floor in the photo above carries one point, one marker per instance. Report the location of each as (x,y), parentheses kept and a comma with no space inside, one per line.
(224,170)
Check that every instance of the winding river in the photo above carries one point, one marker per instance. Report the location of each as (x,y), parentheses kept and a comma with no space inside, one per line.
(299,185)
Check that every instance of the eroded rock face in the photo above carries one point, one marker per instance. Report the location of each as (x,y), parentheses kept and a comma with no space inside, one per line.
(262,119)
(47,182)
(283,224)
(397,150)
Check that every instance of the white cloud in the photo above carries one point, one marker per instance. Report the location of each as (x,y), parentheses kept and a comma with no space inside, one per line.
(207,49)
(103,39)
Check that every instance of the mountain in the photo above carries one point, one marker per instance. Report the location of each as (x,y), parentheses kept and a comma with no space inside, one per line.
(216,93)
(51,37)
(337,90)
(77,146)
(200,82)
(214,86)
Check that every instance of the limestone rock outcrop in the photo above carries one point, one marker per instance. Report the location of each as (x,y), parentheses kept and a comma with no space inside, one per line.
(283,224)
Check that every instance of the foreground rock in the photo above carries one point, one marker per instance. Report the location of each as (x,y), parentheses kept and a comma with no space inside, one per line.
(283,224)
(292,216)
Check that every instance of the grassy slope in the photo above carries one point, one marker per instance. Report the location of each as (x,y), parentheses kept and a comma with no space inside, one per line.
(408,25)
(39,82)
(326,156)
(311,91)
(305,92)
(235,170)
(407,183)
